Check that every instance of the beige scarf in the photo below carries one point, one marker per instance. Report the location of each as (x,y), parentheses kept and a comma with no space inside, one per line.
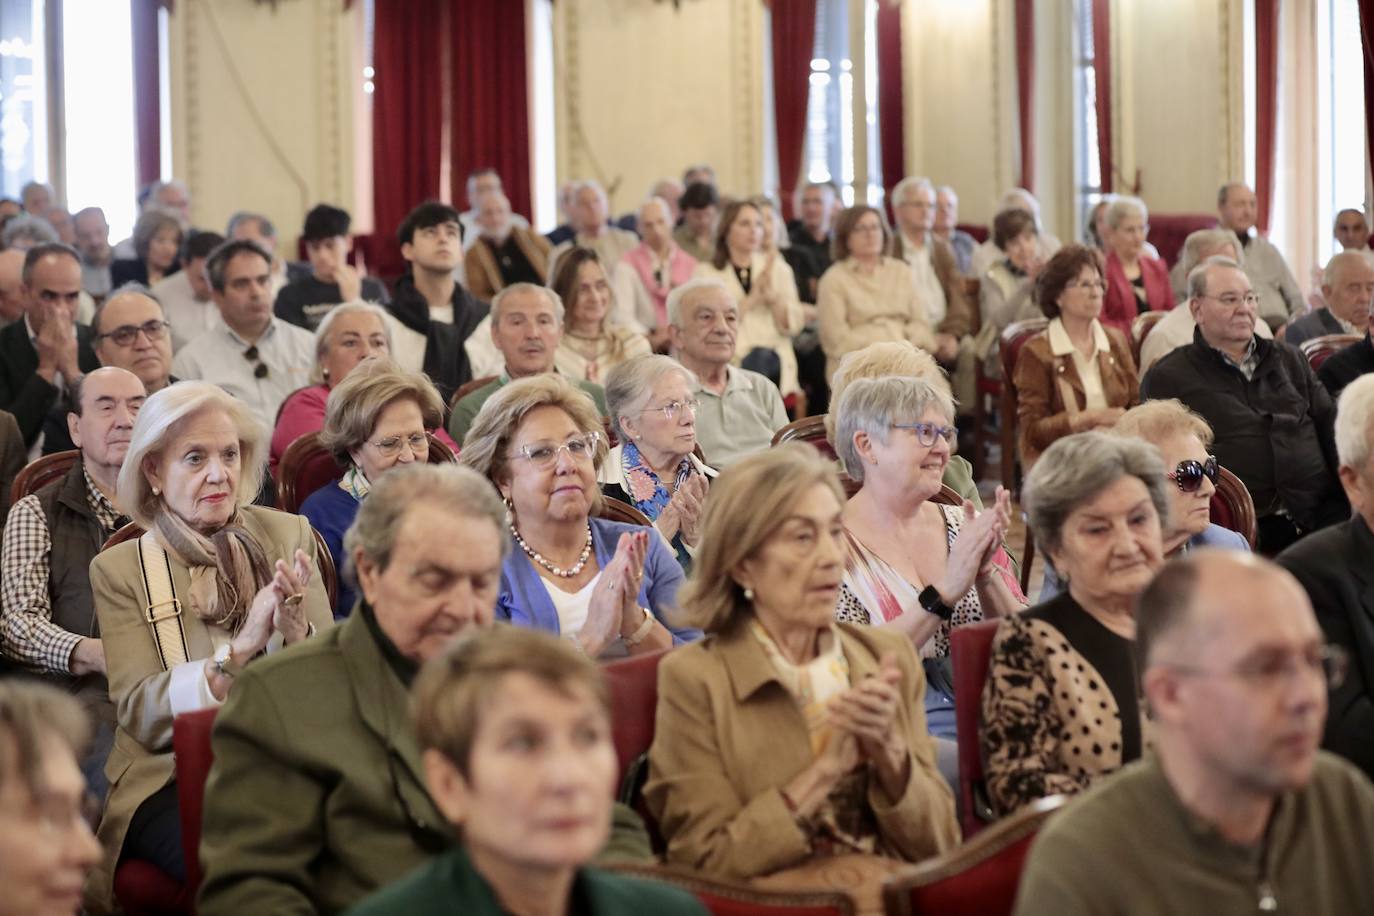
(228,568)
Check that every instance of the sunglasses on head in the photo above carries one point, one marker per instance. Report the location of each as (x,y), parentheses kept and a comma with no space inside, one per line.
(1188,475)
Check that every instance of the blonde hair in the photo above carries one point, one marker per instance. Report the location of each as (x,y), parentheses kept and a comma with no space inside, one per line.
(455,686)
(747,504)
(881,360)
(162,418)
(488,439)
(351,412)
(1155,421)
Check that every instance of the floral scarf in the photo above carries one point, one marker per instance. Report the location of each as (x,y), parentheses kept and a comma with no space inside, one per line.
(354,483)
(649,494)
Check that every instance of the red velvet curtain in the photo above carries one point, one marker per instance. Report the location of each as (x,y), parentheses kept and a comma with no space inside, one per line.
(1025,89)
(891,116)
(1266,105)
(147,93)
(490,101)
(1102,80)
(1367,38)
(406,114)
(794,40)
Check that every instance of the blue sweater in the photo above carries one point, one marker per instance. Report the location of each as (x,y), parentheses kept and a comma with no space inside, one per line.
(331,510)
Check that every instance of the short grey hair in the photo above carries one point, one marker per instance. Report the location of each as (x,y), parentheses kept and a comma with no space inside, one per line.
(1020,199)
(872,405)
(909,184)
(678,297)
(520,289)
(630,386)
(1339,263)
(1197,277)
(27,226)
(1207,238)
(1124,205)
(160,418)
(461,491)
(1354,413)
(242,216)
(654,200)
(132,288)
(1076,468)
(322,342)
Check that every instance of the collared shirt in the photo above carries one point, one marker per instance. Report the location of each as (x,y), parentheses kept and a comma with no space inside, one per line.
(188,316)
(95,278)
(928,288)
(1248,363)
(217,356)
(1089,370)
(740,421)
(27,631)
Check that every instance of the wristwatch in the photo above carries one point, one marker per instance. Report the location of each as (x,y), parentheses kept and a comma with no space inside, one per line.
(642,631)
(224,662)
(930,600)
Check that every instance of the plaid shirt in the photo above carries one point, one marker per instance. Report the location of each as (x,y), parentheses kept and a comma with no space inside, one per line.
(27,632)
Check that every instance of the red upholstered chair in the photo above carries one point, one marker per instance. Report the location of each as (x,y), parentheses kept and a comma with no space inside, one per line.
(979,232)
(143,889)
(724,898)
(306,466)
(633,684)
(1232,507)
(40,472)
(617,510)
(970,647)
(1317,349)
(468,388)
(810,430)
(978,878)
(1140,329)
(191,745)
(1168,231)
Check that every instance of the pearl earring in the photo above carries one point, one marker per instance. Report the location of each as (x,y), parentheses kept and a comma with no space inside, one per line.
(156,491)
(748,593)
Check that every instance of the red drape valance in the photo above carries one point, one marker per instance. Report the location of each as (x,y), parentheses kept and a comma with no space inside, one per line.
(1266,106)
(1025,89)
(891,116)
(1102,83)
(794,39)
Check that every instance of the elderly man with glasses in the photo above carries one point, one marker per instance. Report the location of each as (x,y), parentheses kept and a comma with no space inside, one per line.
(131,331)
(1271,416)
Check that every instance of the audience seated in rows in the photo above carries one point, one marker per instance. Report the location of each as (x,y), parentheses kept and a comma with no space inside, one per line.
(785,736)
(247,226)
(48,350)
(1235,810)
(500,251)
(765,294)
(867,296)
(1333,567)
(609,586)
(186,296)
(245,581)
(740,410)
(946,227)
(1136,282)
(1060,707)
(47,618)
(481,184)
(347,335)
(12,297)
(1078,373)
(317,797)
(652,269)
(377,419)
(653,412)
(910,564)
(306,300)
(130,331)
(532,815)
(1350,229)
(1346,308)
(1006,290)
(93,242)
(1348,283)
(592,343)
(526,325)
(990,252)
(46,848)
(809,235)
(696,233)
(1176,328)
(157,244)
(590,212)
(250,353)
(1271,417)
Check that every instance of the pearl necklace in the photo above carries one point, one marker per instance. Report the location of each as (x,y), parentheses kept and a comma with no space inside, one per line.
(537,557)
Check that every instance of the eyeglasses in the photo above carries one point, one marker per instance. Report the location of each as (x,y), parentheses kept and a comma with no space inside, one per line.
(544,455)
(1089,285)
(390,447)
(673,408)
(1279,669)
(1230,300)
(927,433)
(125,335)
(251,354)
(1188,475)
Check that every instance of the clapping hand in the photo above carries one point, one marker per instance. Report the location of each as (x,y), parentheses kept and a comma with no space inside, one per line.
(867,712)
(289,583)
(690,498)
(56,344)
(615,601)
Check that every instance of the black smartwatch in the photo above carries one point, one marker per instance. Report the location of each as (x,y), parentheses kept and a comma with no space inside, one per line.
(930,600)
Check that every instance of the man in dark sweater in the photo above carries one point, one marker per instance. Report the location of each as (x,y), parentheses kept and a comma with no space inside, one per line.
(1271,417)
(429,301)
(304,302)
(809,255)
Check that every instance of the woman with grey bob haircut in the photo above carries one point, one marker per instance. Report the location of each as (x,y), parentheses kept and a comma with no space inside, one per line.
(653,409)
(912,564)
(1061,704)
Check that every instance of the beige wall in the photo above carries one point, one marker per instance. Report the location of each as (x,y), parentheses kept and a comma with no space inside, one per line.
(646,90)
(269,125)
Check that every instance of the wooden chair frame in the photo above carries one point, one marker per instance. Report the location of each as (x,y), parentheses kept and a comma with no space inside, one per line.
(42,471)
(1232,491)
(1318,350)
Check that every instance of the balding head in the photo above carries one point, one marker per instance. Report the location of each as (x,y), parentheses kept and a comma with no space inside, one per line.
(11,285)
(105,404)
(1348,286)
(655,222)
(1351,229)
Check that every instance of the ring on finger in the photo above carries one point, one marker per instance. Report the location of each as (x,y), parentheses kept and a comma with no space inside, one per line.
(293,600)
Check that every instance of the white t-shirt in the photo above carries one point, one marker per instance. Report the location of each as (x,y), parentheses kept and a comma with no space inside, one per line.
(572,607)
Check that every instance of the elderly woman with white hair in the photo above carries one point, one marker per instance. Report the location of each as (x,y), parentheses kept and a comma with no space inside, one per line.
(911,564)
(653,411)
(347,335)
(1136,282)
(212,585)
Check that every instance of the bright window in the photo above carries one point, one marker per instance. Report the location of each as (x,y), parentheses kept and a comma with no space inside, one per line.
(1088,165)
(1340,117)
(97,54)
(830,116)
(23,95)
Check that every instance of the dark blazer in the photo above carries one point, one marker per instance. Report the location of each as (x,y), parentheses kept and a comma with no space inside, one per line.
(1334,567)
(23,392)
(1316,323)
(1346,365)
(133,270)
